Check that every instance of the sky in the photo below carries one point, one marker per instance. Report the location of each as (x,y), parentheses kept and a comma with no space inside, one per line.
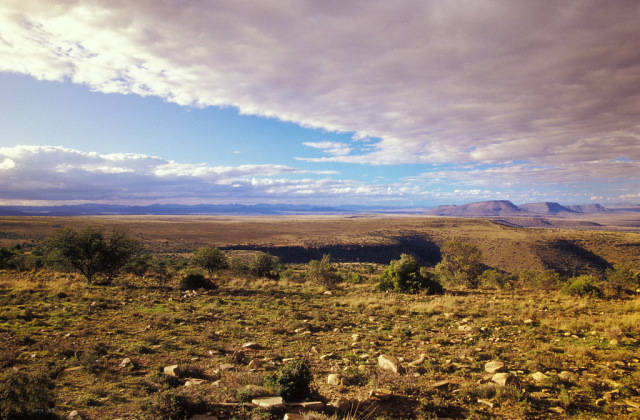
(402,103)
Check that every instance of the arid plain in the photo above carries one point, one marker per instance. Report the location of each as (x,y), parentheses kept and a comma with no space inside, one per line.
(105,348)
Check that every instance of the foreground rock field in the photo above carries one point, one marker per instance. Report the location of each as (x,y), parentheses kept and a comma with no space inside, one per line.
(112,351)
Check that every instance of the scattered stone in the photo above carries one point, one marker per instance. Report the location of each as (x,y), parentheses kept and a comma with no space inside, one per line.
(539,377)
(194,381)
(73,369)
(328,356)
(254,364)
(307,405)
(268,402)
(566,376)
(557,410)
(632,404)
(613,342)
(293,416)
(251,345)
(339,404)
(380,394)
(389,363)
(611,395)
(441,384)
(493,366)
(225,366)
(355,337)
(488,403)
(334,379)
(600,402)
(504,379)
(74,415)
(418,361)
(328,292)
(171,370)
(126,362)
(464,328)
(528,321)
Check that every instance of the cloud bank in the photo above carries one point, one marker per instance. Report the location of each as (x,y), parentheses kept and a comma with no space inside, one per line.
(59,174)
(484,81)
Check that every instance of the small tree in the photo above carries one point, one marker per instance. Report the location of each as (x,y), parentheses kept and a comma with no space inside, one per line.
(90,252)
(460,264)
(404,275)
(265,265)
(210,258)
(322,272)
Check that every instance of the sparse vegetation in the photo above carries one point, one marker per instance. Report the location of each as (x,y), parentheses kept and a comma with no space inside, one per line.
(323,272)
(25,396)
(91,253)
(584,285)
(292,381)
(404,275)
(254,336)
(265,265)
(210,258)
(460,265)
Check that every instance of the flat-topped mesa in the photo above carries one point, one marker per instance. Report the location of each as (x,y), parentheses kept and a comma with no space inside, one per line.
(546,208)
(481,208)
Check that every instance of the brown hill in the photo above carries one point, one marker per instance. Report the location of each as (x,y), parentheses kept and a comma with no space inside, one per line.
(546,208)
(588,208)
(479,209)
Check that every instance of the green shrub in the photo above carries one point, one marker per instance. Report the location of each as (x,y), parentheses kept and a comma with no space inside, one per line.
(460,264)
(546,279)
(584,285)
(239,266)
(210,258)
(292,381)
(91,252)
(404,275)
(194,281)
(265,265)
(174,405)
(621,278)
(322,272)
(25,396)
(495,279)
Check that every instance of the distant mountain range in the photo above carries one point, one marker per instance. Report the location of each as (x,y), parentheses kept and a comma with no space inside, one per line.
(479,209)
(507,208)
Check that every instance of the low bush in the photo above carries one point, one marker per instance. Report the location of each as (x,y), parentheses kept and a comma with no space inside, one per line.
(174,405)
(265,265)
(584,285)
(323,272)
(546,279)
(495,279)
(404,275)
(26,396)
(194,281)
(292,381)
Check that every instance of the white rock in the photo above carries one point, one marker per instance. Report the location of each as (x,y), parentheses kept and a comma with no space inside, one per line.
(389,363)
(268,402)
(334,379)
(539,377)
(493,366)
(126,362)
(504,379)
(171,370)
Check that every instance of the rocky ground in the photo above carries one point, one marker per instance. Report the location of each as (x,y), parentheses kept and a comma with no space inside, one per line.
(115,351)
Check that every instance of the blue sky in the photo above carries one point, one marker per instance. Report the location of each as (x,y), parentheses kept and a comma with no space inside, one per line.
(300,102)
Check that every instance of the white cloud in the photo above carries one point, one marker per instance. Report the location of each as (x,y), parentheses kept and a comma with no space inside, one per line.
(436,81)
(330,147)
(44,174)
